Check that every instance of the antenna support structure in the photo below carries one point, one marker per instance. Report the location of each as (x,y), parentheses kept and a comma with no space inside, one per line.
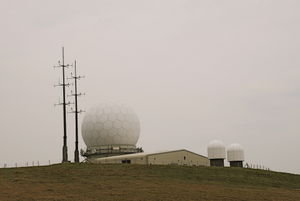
(63,66)
(76,111)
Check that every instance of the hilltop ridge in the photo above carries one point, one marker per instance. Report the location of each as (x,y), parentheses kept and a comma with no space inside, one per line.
(94,182)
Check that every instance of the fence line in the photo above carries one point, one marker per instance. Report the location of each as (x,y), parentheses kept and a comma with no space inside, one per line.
(256,166)
(49,162)
(29,164)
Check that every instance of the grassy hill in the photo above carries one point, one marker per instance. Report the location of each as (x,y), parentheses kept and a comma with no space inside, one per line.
(90,182)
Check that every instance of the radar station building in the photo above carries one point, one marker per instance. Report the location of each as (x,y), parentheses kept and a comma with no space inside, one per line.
(177,157)
(216,153)
(111,131)
(235,155)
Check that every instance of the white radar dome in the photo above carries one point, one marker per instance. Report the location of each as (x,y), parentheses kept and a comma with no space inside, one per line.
(110,124)
(216,150)
(235,152)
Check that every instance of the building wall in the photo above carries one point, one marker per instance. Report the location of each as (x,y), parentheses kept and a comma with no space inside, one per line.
(217,162)
(180,157)
(115,160)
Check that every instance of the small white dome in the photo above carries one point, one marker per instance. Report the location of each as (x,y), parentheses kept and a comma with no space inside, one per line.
(235,152)
(216,150)
(110,124)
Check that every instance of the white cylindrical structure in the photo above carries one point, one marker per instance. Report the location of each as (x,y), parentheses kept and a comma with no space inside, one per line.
(110,129)
(235,155)
(216,153)
(216,150)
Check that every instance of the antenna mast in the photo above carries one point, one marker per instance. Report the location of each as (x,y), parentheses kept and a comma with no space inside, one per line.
(76,94)
(64,104)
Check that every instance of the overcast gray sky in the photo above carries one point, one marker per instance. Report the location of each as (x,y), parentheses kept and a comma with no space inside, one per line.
(192,70)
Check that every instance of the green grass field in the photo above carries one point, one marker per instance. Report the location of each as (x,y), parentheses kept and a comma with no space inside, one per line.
(90,182)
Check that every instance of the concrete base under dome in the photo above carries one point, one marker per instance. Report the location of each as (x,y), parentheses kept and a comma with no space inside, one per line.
(217,162)
(109,150)
(236,164)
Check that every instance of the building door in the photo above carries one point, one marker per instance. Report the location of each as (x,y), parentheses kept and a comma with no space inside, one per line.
(126,161)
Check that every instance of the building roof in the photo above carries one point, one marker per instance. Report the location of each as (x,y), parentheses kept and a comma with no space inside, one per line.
(135,155)
(163,152)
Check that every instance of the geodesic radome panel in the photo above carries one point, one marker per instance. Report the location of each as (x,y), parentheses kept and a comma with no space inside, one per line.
(110,124)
